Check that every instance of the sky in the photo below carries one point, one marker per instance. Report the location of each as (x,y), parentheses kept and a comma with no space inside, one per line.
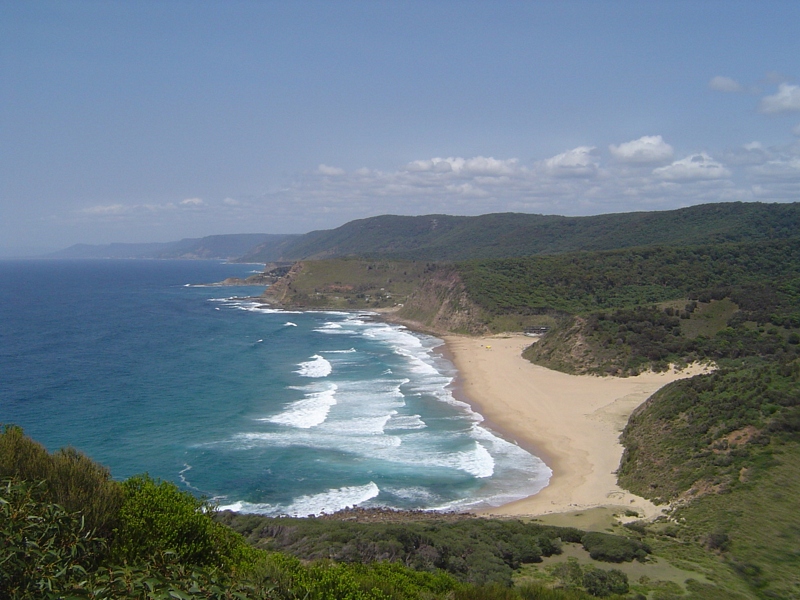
(153,121)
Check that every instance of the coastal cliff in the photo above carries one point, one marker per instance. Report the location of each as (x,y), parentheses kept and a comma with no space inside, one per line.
(423,295)
(441,303)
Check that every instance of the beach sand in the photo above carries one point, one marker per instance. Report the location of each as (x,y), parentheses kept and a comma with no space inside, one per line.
(572,422)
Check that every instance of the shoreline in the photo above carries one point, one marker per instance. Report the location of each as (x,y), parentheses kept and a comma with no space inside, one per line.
(571,422)
(459,393)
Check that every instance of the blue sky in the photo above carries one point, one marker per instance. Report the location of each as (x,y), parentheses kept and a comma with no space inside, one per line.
(154,121)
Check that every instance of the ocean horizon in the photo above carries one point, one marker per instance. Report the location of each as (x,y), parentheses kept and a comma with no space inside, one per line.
(147,367)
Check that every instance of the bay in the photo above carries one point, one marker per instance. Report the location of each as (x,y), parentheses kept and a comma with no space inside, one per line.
(145,368)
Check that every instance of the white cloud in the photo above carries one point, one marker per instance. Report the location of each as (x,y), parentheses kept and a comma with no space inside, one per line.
(231,202)
(692,168)
(786,100)
(192,202)
(490,166)
(796,129)
(647,149)
(436,165)
(725,84)
(479,165)
(332,171)
(107,209)
(578,162)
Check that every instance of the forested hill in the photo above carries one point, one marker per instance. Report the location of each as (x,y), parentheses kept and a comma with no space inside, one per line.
(449,238)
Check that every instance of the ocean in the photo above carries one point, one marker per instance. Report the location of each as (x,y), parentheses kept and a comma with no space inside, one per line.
(146,368)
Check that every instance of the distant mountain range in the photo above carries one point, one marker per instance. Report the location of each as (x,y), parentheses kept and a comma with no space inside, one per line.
(224,247)
(503,235)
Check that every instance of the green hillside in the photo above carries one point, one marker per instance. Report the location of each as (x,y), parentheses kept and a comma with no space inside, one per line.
(578,283)
(450,238)
(726,447)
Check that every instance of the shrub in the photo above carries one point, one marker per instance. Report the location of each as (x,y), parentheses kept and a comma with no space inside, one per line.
(613,548)
(604,583)
(639,527)
(282,576)
(72,479)
(569,574)
(157,518)
(45,549)
(717,540)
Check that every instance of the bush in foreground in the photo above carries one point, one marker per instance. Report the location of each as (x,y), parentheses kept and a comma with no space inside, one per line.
(71,479)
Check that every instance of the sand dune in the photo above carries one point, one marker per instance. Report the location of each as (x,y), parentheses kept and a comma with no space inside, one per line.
(572,422)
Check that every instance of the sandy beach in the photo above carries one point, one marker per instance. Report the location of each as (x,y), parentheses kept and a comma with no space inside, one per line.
(572,422)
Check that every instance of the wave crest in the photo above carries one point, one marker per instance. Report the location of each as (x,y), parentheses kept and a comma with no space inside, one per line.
(316,367)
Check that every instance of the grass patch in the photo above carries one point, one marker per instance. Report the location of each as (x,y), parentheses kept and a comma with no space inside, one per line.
(592,519)
(708,318)
(514,322)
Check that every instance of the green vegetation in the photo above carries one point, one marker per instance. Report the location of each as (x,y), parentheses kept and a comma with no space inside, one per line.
(449,238)
(156,516)
(629,341)
(585,282)
(43,545)
(70,479)
(754,527)
(480,551)
(613,548)
(711,430)
(727,447)
(625,311)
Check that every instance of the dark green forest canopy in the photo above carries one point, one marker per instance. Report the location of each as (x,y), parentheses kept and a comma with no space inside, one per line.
(458,238)
(586,281)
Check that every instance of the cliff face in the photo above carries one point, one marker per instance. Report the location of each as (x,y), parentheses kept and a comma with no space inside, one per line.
(420,295)
(281,288)
(440,302)
(566,349)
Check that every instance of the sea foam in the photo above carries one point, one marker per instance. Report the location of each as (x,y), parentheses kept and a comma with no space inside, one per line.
(316,367)
(326,502)
(308,412)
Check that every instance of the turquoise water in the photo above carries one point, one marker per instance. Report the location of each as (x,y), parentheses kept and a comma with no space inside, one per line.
(144,368)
